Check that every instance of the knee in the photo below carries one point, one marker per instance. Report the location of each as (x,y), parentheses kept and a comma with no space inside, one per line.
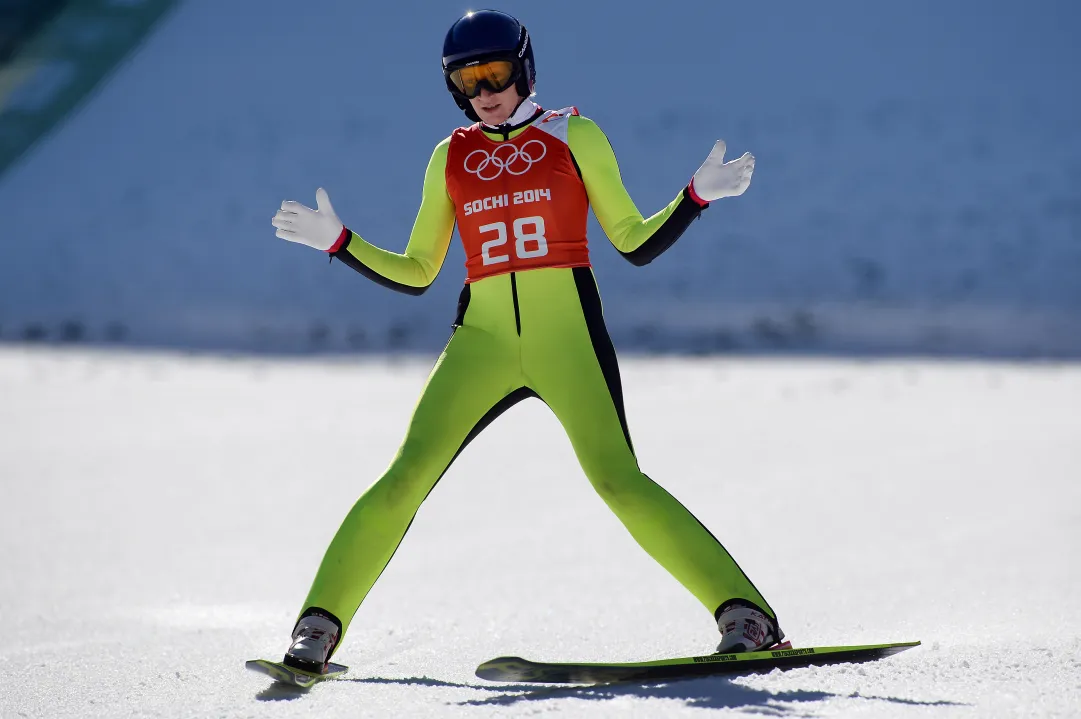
(620,489)
(409,478)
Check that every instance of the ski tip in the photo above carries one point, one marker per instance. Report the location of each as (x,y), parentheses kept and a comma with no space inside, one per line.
(897,647)
(332,668)
(505,659)
(496,669)
(296,677)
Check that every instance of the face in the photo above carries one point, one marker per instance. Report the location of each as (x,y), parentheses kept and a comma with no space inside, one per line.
(495,107)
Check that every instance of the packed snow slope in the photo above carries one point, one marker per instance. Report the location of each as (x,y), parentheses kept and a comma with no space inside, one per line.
(918,185)
(163,518)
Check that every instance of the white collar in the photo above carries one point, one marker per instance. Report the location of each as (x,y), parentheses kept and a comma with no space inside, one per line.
(526,110)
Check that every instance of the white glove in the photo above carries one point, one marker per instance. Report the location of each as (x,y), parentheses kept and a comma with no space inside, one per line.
(318,228)
(716,178)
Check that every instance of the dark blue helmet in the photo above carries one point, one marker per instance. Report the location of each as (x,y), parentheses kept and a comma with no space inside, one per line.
(485,35)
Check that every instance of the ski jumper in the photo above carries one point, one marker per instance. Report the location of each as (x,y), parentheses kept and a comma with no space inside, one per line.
(529,324)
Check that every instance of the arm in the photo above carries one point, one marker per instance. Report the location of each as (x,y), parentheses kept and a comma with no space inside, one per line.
(413,271)
(639,240)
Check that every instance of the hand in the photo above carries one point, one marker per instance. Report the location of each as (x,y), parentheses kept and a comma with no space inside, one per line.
(716,178)
(319,228)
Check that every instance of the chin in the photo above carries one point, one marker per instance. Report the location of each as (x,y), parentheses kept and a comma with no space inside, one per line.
(492,117)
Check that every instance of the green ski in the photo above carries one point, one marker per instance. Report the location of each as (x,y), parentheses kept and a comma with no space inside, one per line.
(516,669)
(296,677)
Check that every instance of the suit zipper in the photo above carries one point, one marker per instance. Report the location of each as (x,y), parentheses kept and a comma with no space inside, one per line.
(514,295)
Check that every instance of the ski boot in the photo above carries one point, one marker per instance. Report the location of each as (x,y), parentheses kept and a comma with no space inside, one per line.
(746,628)
(314,638)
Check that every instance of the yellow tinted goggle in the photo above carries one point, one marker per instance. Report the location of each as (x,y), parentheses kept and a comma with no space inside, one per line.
(496,74)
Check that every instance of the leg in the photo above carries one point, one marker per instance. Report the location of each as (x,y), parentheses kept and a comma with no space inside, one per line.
(572,366)
(473,381)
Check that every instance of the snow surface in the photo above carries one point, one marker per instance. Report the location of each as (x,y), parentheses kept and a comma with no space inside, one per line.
(163,516)
(917,187)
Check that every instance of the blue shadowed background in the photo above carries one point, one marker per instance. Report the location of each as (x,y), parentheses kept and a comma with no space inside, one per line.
(917,187)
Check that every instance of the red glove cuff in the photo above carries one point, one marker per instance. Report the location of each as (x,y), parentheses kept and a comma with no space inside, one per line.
(340,241)
(694,195)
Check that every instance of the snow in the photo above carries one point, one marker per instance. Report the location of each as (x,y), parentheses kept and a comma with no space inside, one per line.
(916,194)
(164,513)
(916,190)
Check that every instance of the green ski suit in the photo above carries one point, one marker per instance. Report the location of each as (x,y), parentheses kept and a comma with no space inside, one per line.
(518,334)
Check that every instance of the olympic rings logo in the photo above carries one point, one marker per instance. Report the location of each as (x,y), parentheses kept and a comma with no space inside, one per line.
(515,160)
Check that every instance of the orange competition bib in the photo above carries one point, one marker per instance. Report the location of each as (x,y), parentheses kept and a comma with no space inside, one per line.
(519,204)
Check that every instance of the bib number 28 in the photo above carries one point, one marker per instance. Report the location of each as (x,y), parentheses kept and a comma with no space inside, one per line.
(529,240)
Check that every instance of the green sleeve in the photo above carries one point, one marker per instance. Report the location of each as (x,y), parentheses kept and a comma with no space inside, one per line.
(638,239)
(414,270)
